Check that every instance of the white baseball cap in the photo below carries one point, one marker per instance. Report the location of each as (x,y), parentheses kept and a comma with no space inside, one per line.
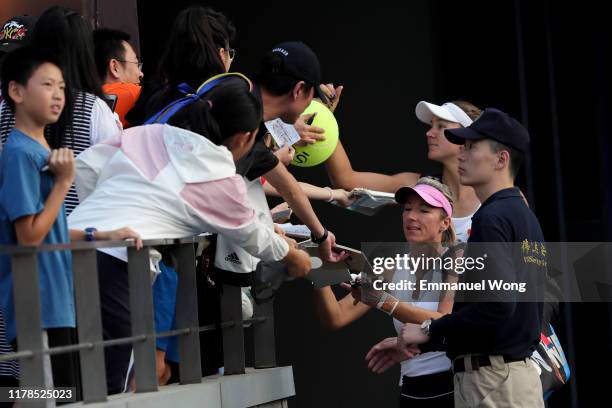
(450,112)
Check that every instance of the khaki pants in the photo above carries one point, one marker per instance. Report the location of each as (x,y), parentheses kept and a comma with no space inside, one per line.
(500,385)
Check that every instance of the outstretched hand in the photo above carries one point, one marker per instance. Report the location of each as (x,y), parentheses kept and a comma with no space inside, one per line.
(386,354)
(333,95)
(343,198)
(365,293)
(326,250)
(119,235)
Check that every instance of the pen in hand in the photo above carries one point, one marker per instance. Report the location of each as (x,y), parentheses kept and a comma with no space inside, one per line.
(309,121)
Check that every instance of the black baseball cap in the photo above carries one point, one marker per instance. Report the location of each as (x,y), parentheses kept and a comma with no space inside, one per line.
(492,124)
(299,61)
(16,32)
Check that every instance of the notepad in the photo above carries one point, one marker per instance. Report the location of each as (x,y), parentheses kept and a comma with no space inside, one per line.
(295,231)
(328,273)
(369,202)
(282,133)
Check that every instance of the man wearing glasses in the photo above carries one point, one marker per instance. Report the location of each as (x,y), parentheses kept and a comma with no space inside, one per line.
(119,70)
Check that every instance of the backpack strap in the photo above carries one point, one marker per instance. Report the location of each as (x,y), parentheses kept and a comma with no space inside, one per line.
(164,115)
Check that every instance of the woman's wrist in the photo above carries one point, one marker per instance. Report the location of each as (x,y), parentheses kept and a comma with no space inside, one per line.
(331,195)
(387,304)
(397,302)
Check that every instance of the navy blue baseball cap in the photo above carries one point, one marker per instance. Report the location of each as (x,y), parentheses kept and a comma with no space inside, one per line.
(492,124)
(299,61)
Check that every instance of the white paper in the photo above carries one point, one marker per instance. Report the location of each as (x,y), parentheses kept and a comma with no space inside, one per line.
(295,230)
(282,133)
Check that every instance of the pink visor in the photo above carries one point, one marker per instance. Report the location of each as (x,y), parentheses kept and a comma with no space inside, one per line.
(429,194)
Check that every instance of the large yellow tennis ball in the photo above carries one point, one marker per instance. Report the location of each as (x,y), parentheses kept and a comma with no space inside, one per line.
(318,152)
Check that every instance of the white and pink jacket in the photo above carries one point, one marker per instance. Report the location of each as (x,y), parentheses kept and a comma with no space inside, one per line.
(167,182)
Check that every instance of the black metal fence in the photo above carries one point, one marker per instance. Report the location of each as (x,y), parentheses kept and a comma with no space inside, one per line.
(89,323)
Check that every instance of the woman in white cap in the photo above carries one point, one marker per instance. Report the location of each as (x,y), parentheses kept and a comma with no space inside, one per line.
(447,116)
(426,379)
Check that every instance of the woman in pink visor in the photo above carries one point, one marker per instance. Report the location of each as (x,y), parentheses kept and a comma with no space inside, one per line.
(426,380)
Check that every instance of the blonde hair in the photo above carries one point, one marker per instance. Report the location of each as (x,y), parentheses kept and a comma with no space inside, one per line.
(448,236)
(470,109)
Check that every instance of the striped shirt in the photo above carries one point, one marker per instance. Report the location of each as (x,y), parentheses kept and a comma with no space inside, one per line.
(7,368)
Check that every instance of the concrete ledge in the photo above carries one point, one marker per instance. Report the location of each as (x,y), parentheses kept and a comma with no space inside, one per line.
(255,387)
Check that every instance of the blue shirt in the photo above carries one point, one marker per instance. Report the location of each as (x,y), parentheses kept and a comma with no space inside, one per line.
(24,188)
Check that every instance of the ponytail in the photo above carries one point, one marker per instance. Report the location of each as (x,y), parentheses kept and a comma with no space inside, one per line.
(470,109)
(449,237)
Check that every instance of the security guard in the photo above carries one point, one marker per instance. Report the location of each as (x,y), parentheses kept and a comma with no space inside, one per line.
(490,339)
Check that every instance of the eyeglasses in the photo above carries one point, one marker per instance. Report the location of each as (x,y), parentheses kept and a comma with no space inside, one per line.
(134,62)
(232,53)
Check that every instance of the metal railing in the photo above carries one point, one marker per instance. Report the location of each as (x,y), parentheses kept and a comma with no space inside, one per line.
(89,321)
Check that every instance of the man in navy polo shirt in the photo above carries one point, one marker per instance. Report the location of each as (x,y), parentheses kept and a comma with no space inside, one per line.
(491,339)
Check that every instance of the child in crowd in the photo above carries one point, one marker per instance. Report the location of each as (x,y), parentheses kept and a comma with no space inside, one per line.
(86,118)
(15,33)
(34,181)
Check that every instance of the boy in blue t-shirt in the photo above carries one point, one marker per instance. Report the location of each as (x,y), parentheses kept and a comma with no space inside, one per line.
(34,180)
(33,183)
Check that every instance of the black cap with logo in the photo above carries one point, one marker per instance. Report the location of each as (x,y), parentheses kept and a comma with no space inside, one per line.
(299,61)
(16,32)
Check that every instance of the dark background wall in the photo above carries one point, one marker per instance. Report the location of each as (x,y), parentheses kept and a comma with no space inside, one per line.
(543,62)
